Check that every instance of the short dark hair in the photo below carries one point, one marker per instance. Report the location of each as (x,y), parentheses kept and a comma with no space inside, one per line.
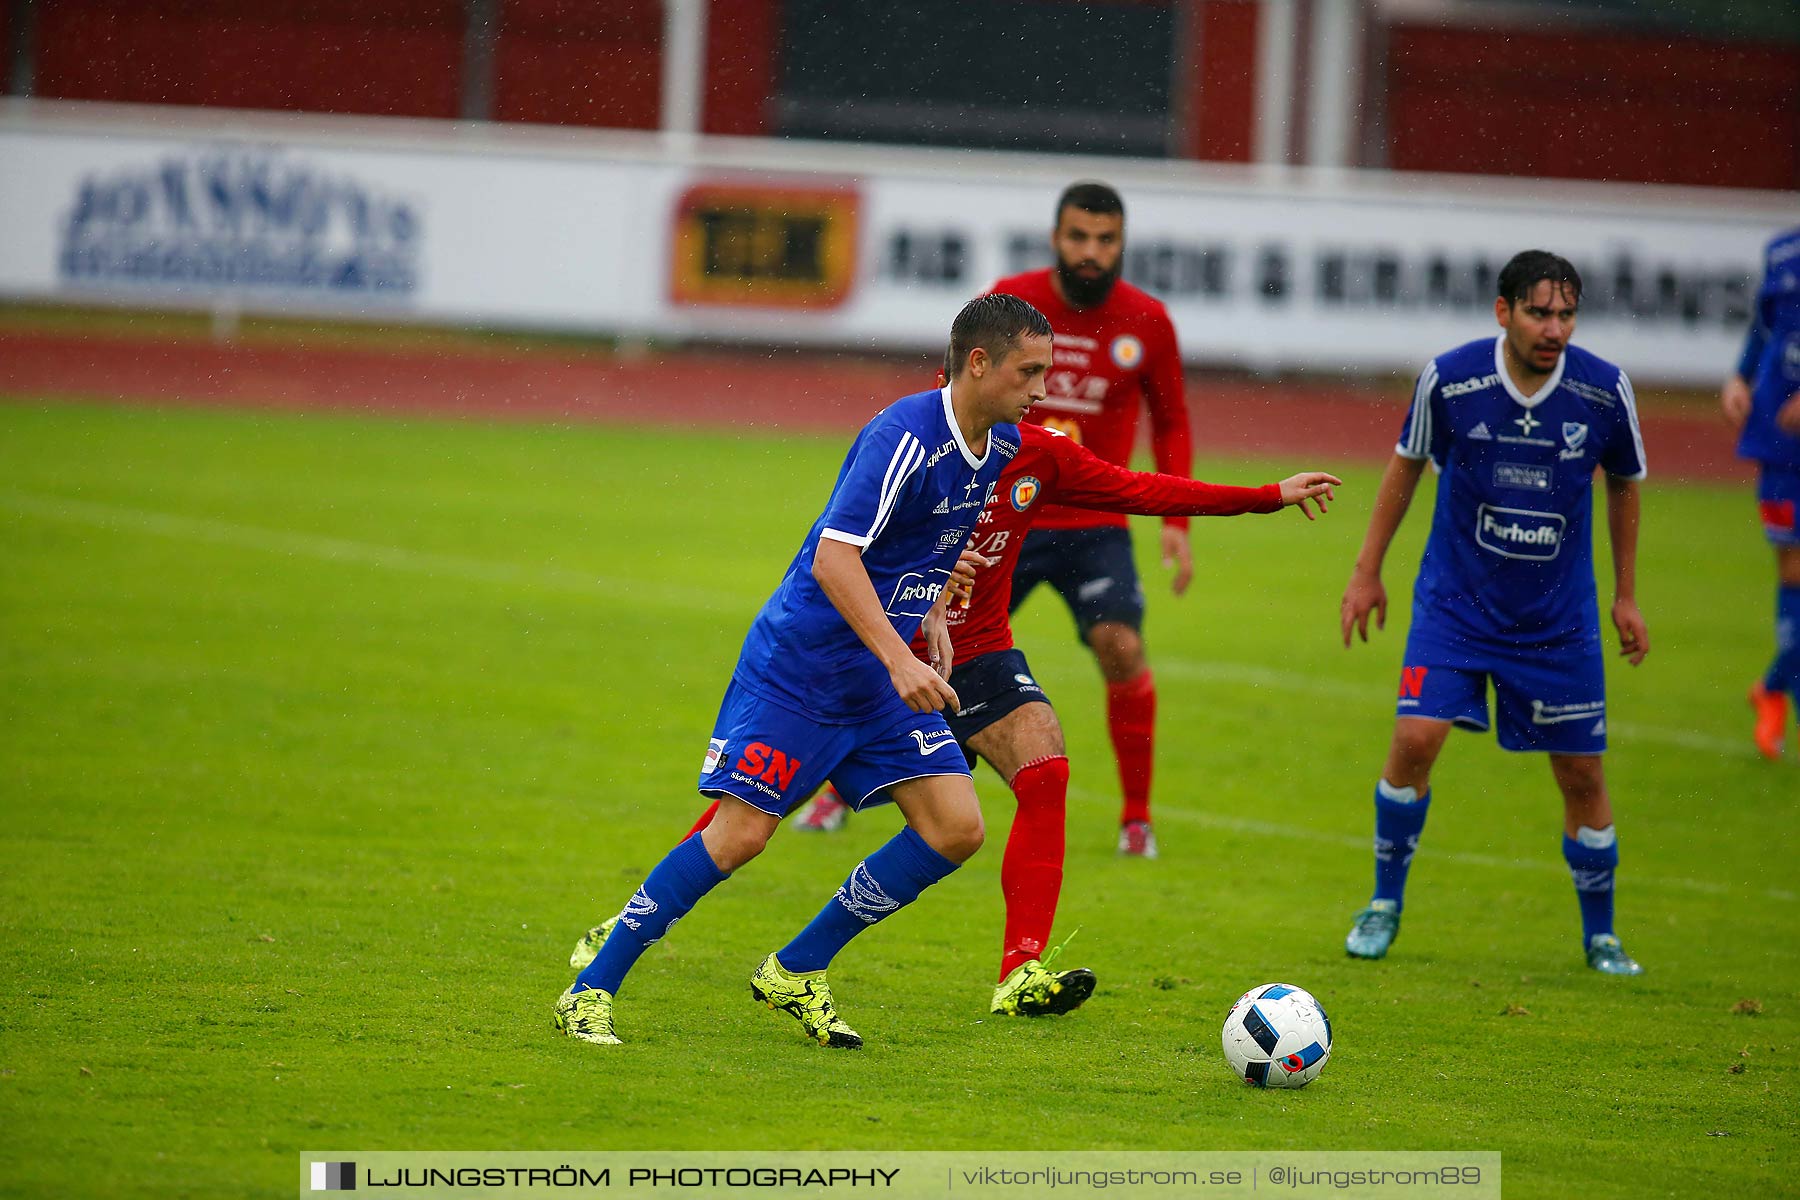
(1528,268)
(1090,195)
(994,322)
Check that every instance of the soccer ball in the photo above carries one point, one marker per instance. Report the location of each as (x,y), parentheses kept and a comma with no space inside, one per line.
(1277,1036)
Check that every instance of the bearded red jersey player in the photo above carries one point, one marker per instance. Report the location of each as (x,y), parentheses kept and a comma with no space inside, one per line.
(1114,357)
(1005,716)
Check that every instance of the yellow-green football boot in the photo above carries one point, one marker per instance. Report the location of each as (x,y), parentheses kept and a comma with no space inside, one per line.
(807,998)
(588,948)
(587,1016)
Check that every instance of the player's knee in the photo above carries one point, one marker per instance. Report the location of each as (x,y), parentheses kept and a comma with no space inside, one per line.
(958,838)
(1787,566)
(1120,650)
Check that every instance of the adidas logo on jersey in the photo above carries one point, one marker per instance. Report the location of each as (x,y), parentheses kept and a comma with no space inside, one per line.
(943,507)
(1480,433)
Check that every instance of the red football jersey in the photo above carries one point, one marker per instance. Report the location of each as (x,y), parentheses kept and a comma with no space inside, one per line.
(1108,362)
(1049,468)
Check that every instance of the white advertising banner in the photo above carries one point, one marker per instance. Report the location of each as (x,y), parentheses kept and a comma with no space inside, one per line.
(854,246)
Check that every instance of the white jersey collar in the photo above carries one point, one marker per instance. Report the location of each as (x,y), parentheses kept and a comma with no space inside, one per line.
(1537,397)
(956,432)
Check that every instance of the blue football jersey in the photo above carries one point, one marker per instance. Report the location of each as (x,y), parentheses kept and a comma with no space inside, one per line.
(1510,555)
(1772,355)
(908,495)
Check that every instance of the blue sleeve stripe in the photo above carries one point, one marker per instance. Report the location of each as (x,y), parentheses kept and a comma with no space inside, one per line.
(1631,418)
(1418,432)
(907,457)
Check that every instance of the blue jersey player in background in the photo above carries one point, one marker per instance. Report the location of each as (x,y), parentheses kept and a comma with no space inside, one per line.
(827,687)
(1763,400)
(1516,425)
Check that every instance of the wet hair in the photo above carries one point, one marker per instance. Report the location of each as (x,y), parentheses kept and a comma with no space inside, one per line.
(1090,196)
(1528,268)
(994,322)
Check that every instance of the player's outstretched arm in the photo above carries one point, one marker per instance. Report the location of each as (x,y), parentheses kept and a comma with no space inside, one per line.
(1365,593)
(1622,510)
(839,570)
(1309,486)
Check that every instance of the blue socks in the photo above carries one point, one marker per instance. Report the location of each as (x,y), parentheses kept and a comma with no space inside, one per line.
(675,885)
(1784,672)
(882,883)
(1593,856)
(1399,819)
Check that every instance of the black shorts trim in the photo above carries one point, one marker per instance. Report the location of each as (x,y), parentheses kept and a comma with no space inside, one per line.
(1091,569)
(990,686)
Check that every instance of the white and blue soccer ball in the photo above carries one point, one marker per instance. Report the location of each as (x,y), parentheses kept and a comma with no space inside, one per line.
(1277,1036)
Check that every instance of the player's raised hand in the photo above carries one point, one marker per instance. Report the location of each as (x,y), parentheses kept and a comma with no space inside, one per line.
(1734,401)
(1634,635)
(962,576)
(1364,595)
(1177,553)
(1309,485)
(921,687)
(1787,417)
(938,645)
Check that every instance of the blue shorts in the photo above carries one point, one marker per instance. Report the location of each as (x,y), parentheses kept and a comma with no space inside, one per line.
(774,758)
(1092,569)
(1778,495)
(1551,701)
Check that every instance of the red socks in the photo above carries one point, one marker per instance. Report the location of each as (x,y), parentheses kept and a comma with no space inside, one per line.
(1031,873)
(1131,716)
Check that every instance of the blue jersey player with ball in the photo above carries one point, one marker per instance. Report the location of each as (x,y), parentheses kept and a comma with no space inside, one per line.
(827,687)
(1516,425)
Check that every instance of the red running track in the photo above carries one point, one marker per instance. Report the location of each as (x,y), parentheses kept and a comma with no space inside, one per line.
(1310,423)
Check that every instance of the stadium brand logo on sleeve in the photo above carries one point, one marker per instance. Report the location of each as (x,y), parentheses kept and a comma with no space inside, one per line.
(1520,532)
(241,220)
(1462,388)
(1524,476)
(764,762)
(939,453)
(755,246)
(333,1176)
(1024,492)
(1480,433)
(715,751)
(1126,351)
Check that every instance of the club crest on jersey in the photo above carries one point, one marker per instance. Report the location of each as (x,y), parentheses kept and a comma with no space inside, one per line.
(1574,436)
(1127,351)
(1025,491)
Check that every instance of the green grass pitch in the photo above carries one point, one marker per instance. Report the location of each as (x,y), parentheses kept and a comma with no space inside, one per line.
(323,738)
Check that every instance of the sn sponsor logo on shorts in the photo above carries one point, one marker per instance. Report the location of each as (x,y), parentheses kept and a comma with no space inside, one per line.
(1520,532)
(769,770)
(1557,714)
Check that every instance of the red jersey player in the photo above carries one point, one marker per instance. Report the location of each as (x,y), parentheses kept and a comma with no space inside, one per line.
(1114,355)
(1005,716)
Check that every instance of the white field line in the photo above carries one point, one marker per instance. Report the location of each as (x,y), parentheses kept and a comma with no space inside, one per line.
(397,558)
(1187,816)
(286,544)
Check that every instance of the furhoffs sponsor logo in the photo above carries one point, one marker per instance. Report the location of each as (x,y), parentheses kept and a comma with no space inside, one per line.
(244,220)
